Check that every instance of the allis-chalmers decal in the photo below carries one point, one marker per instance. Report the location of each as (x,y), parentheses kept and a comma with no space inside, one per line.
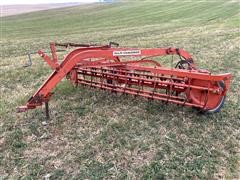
(126,53)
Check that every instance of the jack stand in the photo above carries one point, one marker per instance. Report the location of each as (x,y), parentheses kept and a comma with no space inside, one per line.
(47,110)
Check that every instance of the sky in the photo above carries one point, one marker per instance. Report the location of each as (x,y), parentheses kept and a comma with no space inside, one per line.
(8,2)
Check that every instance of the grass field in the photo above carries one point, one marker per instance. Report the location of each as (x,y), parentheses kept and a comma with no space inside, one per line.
(97,135)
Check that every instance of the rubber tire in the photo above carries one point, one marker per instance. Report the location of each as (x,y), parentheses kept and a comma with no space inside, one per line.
(220,105)
(216,109)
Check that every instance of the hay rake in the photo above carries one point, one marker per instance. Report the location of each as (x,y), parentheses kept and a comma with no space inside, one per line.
(112,68)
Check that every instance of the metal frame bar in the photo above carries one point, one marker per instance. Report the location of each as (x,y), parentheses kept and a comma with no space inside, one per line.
(82,60)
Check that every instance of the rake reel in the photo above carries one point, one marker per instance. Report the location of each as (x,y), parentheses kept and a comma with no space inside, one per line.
(112,68)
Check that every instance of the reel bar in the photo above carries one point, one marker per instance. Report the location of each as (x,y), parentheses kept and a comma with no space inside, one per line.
(146,94)
(146,78)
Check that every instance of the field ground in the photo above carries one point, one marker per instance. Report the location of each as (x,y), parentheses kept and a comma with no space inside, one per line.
(94,134)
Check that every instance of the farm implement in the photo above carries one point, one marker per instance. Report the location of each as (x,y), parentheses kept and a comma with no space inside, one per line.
(133,71)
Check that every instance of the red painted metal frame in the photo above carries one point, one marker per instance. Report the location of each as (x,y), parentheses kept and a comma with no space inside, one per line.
(92,61)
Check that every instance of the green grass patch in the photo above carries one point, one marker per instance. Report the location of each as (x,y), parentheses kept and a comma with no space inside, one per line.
(94,134)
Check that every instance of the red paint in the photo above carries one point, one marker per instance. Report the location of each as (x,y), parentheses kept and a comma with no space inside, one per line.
(103,68)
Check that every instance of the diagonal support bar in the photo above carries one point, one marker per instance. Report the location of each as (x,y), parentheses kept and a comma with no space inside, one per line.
(53,64)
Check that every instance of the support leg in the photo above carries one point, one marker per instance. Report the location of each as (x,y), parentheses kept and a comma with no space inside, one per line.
(47,110)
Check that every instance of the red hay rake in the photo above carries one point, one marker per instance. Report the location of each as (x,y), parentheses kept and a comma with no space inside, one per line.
(103,67)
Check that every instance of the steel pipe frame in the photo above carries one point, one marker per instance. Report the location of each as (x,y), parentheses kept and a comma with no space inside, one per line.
(80,58)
